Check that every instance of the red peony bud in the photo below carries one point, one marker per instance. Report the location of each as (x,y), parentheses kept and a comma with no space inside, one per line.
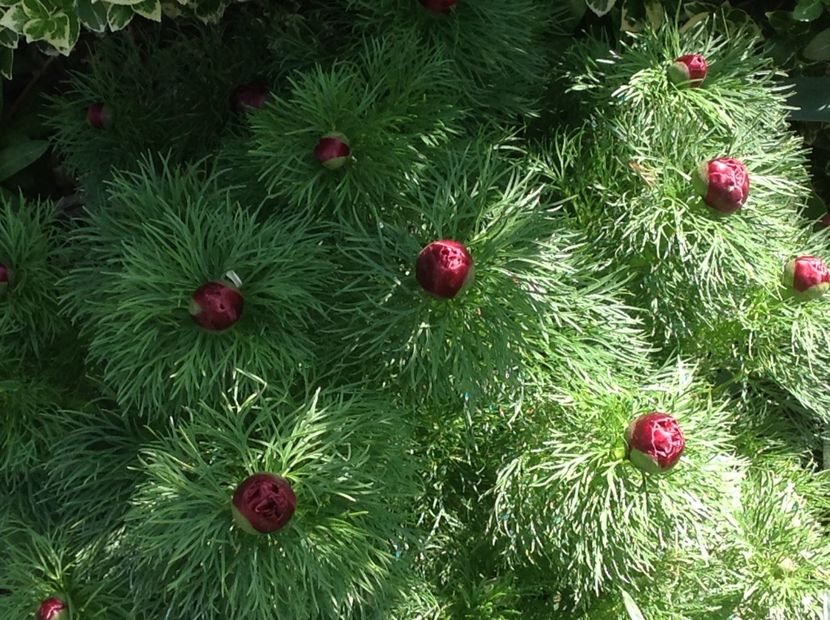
(52,609)
(654,442)
(723,183)
(807,277)
(216,305)
(99,115)
(444,268)
(4,278)
(438,6)
(248,97)
(689,70)
(263,503)
(333,151)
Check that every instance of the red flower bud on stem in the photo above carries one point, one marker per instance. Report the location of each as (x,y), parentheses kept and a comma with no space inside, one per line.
(438,6)
(52,609)
(807,277)
(688,70)
(333,151)
(4,278)
(248,97)
(216,305)
(263,503)
(444,268)
(99,115)
(654,442)
(723,183)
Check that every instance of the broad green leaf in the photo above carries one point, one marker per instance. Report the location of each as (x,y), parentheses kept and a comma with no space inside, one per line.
(37,29)
(577,9)
(16,157)
(9,38)
(63,37)
(150,9)
(601,7)
(210,11)
(35,8)
(125,2)
(807,10)
(631,607)
(93,15)
(819,47)
(6,62)
(15,18)
(119,16)
(655,13)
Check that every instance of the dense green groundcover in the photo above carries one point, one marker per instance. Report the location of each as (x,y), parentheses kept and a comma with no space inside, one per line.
(235,282)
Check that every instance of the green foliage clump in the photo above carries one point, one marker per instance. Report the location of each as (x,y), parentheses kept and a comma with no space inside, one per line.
(390,103)
(181,111)
(162,233)
(529,294)
(31,250)
(465,458)
(569,502)
(346,460)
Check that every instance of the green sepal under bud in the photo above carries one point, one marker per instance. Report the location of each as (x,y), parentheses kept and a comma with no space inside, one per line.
(243,523)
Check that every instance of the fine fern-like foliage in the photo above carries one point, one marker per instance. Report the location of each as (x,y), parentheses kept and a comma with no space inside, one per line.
(569,503)
(172,97)
(772,562)
(465,457)
(30,249)
(161,235)
(505,75)
(742,87)
(346,460)
(25,435)
(94,449)
(711,286)
(43,561)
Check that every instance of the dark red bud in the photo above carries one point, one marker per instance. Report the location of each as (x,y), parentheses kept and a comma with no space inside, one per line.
(98,115)
(333,151)
(264,503)
(438,6)
(52,609)
(654,442)
(249,97)
(444,268)
(216,305)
